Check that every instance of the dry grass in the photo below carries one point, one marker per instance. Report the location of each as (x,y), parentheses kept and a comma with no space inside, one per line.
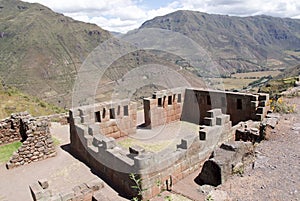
(153,147)
(13,101)
(240,80)
(230,83)
(258,74)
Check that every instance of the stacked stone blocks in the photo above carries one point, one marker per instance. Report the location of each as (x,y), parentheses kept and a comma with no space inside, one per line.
(38,144)
(163,107)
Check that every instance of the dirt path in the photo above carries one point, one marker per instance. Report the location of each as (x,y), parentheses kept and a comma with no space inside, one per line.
(276,174)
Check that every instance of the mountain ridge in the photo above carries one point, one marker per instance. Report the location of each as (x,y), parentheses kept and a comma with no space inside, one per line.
(41,51)
(246,43)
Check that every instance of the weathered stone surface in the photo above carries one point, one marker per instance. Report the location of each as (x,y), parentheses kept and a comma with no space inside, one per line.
(43,183)
(218,195)
(68,195)
(36,191)
(95,184)
(36,144)
(228,159)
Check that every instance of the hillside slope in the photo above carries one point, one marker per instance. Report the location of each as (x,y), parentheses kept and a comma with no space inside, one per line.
(238,44)
(41,51)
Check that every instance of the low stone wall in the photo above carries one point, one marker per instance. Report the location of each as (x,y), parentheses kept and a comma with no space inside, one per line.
(9,128)
(114,164)
(40,191)
(38,143)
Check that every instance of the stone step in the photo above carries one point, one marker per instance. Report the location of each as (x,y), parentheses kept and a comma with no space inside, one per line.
(208,121)
(89,140)
(93,148)
(214,113)
(222,119)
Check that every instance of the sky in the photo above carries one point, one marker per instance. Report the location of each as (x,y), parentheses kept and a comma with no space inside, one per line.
(124,15)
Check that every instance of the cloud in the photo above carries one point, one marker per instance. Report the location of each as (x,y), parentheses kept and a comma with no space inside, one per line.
(125,15)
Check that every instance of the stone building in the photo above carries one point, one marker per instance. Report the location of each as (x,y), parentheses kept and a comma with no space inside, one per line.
(204,120)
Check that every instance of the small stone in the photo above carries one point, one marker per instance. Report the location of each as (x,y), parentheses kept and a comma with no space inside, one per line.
(33,158)
(43,183)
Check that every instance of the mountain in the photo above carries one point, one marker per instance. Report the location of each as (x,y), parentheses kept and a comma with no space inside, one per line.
(238,44)
(290,72)
(41,51)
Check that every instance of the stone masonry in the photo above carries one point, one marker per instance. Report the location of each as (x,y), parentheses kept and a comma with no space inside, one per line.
(37,142)
(163,107)
(9,128)
(40,191)
(214,112)
(114,119)
(240,106)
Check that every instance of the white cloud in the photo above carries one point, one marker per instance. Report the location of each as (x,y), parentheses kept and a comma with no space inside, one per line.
(125,15)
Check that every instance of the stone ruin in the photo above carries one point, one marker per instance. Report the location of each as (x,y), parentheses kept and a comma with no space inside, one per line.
(229,158)
(34,133)
(88,191)
(217,114)
(10,129)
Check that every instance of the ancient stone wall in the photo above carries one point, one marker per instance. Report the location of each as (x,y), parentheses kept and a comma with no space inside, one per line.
(229,159)
(164,107)
(114,119)
(213,110)
(37,144)
(114,164)
(240,106)
(40,191)
(9,128)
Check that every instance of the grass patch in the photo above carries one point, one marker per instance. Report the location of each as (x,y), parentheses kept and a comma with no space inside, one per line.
(13,101)
(276,87)
(7,150)
(281,106)
(154,147)
(256,75)
(230,83)
(55,141)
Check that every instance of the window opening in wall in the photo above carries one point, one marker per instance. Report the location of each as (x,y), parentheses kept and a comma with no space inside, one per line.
(112,114)
(239,104)
(169,100)
(159,100)
(103,113)
(119,110)
(126,110)
(196,98)
(223,100)
(97,117)
(174,97)
(208,100)
(179,98)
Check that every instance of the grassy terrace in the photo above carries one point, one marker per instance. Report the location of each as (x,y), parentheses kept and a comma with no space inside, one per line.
(12,101)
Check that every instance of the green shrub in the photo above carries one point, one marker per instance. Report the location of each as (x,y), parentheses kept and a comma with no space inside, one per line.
(280,106)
